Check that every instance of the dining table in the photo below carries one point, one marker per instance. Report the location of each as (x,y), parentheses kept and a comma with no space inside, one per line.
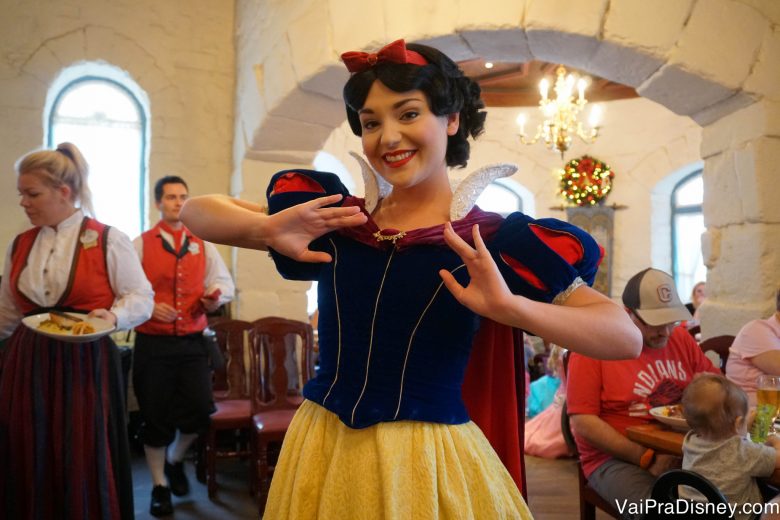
(665,439)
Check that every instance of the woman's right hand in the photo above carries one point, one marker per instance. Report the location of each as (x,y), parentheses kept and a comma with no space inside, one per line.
(234,222)
(290,231)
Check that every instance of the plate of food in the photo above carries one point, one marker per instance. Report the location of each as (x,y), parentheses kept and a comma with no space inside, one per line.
(72,327)
(670,415)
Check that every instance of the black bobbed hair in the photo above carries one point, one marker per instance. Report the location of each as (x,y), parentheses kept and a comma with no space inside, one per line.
(447,89)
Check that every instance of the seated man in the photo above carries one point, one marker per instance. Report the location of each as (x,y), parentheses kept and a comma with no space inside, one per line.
(755,352)
(605,397)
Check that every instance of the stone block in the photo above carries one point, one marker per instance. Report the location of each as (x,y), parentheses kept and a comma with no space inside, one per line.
(763,78)
(352,30)
(329,81)
(309,40)
(746,269)
(756,169)
(508,45)
(280,133)
(27,92)
(652,27)
(723,196)
(623,64)
(307,106)
(501,13)
(278,74)
(43,66)
(68,48)
(682,91)
(724,317)
(452,45)
(719,110)
(737,128)
(769,8)
(584,17)
(416,20)
(724,55)
(710,247)
(554,46)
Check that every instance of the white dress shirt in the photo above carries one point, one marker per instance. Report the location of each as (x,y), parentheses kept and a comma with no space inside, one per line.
(216,276)
(45,277)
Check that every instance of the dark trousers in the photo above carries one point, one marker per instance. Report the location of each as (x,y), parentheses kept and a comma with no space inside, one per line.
(172,381)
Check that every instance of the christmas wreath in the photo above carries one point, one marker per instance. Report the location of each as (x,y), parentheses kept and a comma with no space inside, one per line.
(585,181)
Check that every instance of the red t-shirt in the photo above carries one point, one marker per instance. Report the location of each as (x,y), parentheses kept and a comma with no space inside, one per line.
(622,392)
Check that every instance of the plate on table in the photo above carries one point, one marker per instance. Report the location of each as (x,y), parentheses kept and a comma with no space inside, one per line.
(670,416)
(35,322)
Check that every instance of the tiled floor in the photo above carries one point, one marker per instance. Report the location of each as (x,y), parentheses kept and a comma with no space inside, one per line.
(232,501)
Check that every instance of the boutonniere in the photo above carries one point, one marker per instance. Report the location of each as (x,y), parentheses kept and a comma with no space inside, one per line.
(194,248)
(88,238)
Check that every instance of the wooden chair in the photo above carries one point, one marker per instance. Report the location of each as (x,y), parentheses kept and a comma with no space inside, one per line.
(232,398)
(666,490)
(275,397)
(720,345)
(589,498)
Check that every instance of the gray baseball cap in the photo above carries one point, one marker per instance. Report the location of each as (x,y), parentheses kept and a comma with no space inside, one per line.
(652,295)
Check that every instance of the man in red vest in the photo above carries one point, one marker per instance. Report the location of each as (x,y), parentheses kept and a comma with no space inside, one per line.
(171,373)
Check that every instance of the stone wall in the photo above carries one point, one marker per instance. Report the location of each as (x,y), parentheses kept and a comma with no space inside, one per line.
(180,52)
(715,61)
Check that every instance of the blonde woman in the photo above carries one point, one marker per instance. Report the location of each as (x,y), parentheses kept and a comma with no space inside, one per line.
(63,439)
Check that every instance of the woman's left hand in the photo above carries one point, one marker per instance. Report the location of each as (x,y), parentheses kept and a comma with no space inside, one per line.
(103,314)
(487,293)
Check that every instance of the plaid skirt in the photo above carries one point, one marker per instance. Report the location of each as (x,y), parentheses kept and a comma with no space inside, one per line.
(64,450)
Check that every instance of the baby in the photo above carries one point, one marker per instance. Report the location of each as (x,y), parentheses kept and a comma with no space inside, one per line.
(717,448)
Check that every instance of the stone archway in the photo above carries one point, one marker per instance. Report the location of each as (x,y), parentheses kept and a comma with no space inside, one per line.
(712,61)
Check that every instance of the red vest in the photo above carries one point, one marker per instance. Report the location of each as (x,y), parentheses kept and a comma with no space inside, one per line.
(177,279)
(88,286)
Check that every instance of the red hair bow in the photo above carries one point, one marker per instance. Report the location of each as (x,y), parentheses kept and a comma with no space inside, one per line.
(391,53)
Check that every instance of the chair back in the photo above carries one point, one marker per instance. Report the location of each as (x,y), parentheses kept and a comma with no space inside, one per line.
(232,381)
(666,490)
(718,345)
(282,362)
(589,498)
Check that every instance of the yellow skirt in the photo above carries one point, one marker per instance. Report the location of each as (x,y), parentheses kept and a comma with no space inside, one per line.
(395,470)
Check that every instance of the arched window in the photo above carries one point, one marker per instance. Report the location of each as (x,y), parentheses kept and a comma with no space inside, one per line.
(105,118)
(504,196)
(687,228)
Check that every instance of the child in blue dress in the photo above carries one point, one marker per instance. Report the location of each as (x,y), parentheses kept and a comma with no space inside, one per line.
(404,277)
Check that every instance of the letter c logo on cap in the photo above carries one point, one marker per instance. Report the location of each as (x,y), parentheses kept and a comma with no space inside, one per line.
(665,293)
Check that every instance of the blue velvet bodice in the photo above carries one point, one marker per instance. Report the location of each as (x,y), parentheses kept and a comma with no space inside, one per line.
(394,343)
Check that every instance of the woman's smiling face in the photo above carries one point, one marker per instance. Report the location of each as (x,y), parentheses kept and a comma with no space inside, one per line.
(403,140)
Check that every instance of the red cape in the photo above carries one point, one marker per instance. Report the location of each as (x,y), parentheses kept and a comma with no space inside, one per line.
(494,393)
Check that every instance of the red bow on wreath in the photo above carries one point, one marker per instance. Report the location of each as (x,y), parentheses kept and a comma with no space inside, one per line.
(391,53)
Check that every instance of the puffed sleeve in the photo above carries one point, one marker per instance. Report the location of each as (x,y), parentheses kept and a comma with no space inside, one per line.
(544,259)
(289,188)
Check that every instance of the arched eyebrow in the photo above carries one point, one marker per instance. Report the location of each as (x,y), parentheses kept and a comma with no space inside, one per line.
(396,105)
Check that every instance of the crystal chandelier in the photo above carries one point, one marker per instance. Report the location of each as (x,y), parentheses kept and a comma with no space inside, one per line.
(560,114)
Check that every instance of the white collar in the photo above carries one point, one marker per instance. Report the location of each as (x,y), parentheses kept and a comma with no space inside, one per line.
(73,220)
(464,195)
